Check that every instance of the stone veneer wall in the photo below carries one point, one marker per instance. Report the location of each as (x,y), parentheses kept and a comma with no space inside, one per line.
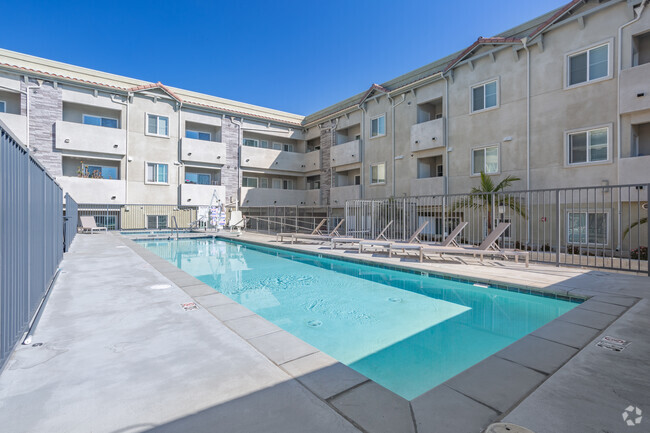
(230,175)
(46,107)
(327,134)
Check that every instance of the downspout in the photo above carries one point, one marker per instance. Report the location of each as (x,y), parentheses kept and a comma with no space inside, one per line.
(362,146)
(126,144)
(240,125)
(179,105)
(524,42)
(393,105)
(619,132)
(445,108)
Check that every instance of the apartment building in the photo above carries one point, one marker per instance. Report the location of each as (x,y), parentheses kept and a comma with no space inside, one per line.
(562,100)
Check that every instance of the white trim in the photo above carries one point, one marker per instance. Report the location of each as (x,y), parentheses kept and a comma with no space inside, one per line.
(567,156)
(471,159)
(84,115)
(146,163)
(376,164)
(370,124)
(606,212)
(610,63)
(496,80)
(146,125)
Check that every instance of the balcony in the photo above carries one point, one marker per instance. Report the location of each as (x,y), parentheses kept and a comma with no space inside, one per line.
(340,194)
(201,195)
(428,135)
(271,197)
(89,138)
(428,186)
(312,197)
(272,159)
(312,160)
(207,152)
(16,124)
(88,190)
(346,153)
(635,89)
(634,170)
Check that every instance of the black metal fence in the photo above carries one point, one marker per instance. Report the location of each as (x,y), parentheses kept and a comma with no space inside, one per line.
(31,238)
(597,226)
(71,222)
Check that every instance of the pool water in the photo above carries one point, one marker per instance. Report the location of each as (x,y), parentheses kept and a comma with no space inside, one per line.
(405,331)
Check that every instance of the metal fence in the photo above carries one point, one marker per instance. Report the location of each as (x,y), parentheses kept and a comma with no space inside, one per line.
(31,238)
(600,226)
(71,220)
(288,219)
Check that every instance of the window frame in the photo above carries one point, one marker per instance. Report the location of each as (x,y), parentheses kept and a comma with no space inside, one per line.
(158,221)
(197,174)
(373,119)
(257,181)
(605,212)
(610,61)
(84,115)
(496,80)
(117,170)
(243,141)
(484,147)
(146,181)
(4,106)
(198,134)
(567,148)
(376,164)
(146,125)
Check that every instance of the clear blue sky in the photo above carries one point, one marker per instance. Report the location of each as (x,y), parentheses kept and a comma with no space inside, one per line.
(296,56)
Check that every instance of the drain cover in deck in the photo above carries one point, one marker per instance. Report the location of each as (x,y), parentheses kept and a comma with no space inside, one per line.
(612,343)
(189,306)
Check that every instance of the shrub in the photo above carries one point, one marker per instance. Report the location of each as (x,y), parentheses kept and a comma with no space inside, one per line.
(639,253)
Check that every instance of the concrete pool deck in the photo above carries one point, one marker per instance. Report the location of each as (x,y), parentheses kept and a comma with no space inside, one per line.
(119,353)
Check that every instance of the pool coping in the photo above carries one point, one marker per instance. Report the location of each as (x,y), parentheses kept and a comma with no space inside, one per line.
(476,397)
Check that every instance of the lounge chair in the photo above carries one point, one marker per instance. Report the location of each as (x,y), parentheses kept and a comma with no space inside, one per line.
(450,240)
(488,247)
(88,225)
(353,240)
(386,244)
(313,237)
(280,236)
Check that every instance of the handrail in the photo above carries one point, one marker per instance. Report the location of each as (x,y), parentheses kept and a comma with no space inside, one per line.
(175,224)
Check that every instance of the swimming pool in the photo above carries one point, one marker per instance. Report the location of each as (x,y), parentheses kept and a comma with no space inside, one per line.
(405,331)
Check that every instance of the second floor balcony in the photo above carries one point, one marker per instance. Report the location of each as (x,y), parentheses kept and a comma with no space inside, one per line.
(340,194)
(93,191)
(207,152)
(345,153)
(635,89)
(428,135)
(80,137)
(273,159)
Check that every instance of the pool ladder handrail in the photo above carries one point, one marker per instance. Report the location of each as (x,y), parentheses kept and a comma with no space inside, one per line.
(175,227)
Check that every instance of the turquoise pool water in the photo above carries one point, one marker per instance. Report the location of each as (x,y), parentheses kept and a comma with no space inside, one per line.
(405,331)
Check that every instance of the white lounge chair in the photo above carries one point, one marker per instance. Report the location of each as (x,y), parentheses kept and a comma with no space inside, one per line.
(280,236)
(488,247)
(327,237)
(450,240)
(386,244)
(353,240)
(88,225)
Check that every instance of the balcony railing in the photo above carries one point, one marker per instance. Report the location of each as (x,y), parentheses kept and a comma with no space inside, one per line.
(635,88)
(201,195)
(89,138)
(207,152)
(346,153)
(340,194)
(428,135)
(90,190)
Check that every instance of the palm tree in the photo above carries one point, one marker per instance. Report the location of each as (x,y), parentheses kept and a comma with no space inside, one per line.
(483,198)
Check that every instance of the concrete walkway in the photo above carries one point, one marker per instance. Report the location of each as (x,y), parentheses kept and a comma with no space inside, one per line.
(119,354)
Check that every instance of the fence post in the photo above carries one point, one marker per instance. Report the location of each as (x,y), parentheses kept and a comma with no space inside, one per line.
(559,227)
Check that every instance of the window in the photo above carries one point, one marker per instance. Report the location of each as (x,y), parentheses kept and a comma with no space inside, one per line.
(198,178)
(156,173)
(439,170)
(3,106)
(249,182)
(251,142)
(198,135)
(378,173)
(283,146)
(99,172)
(357,179)
(313,182)
(588,65)
(484,96)
(99,121)
(264,182)
(157,125)
(282,184)
(378,126)
(485,160)
(264,144)
(588,146)
(587,227)
(157,221)
(108,221)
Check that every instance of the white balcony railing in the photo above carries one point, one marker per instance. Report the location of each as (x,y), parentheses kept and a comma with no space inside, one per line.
(346,153)
(428,135)
(89,138)
(89,190)
(635,88)
(207,152)
(201,195)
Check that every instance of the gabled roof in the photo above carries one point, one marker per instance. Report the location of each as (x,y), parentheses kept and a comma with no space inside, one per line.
(555,17)
(157,85)
(371,91)
(497,40)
